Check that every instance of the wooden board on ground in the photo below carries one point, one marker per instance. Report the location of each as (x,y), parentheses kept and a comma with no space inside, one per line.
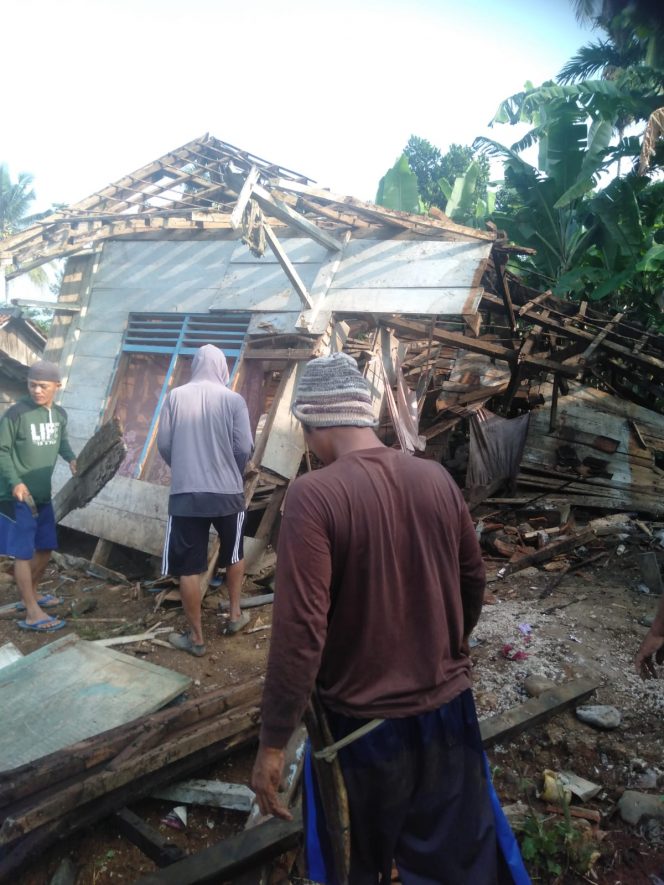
(72,689)
(222,862)
(505,726)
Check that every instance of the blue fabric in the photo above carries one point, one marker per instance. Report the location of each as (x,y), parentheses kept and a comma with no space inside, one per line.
(419,793)
(21,536)
(316,869)
(506,839)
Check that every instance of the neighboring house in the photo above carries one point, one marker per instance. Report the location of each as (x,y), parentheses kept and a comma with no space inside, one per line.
(21,345)
(210,244)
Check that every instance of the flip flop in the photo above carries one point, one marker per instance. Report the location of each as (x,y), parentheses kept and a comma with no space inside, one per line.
(47,601)
(46,625)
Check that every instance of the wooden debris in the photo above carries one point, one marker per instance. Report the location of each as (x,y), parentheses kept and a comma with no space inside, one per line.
(590,814)
(150,841)
(225,861)
(97,463)
(505,726)
(216,794)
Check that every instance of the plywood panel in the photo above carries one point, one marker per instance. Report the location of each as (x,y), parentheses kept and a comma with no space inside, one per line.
(285,444)
(70,690)
(388,264)
(99,344)
(300,250)
(444,302)
(261,287)
(171,265)
(130,529)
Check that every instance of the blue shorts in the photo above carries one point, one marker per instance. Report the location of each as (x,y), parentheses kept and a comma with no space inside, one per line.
(21,536)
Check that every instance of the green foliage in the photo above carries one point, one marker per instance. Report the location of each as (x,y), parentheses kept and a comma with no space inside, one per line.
(591,244)
(15,200)
(41,318)
(437,172)
(397,189)
(551,847)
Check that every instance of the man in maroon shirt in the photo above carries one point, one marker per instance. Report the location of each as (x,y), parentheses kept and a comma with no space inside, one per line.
(379,584)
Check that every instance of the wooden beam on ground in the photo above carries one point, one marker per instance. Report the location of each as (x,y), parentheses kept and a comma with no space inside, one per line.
(147,839)
(563,545)
(505,726)
(287,266)
(224,861)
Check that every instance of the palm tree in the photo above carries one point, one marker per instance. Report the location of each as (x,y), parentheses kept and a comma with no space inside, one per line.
(15,200)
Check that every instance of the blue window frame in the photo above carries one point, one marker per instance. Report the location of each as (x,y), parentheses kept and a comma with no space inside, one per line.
(173,338)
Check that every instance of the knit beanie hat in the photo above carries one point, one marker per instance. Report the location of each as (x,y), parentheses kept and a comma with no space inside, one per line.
(333,393)
(44,371)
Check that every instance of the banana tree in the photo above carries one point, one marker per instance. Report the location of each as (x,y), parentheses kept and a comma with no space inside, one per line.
(397,189)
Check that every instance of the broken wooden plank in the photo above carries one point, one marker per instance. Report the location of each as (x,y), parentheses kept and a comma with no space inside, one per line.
(283,212)
(223,862)
(45,809)
(549,551)
(592,347)
(505,726)
(88,813)
(216,794)
(150,841)
(595,441)
(78,759)
(245,195)
(287,266)
(538,299)
(479,345)
(97,463)
(550,322)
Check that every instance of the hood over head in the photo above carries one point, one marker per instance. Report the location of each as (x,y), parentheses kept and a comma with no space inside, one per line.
(210,365)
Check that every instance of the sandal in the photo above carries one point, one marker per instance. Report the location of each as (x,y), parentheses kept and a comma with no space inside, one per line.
(183,642)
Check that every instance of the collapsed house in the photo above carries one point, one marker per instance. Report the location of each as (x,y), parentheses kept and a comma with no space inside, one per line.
(517,392)
(522,396)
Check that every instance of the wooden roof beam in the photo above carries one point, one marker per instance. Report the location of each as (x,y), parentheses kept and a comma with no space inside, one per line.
(573,332)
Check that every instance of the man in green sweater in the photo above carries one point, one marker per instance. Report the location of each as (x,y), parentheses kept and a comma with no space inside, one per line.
(33,432)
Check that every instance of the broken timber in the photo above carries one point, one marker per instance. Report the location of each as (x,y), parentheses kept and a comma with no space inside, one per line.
(54,796)
(224,861)
(97,463)
(232,856)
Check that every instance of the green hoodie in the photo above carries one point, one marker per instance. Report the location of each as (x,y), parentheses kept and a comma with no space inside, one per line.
(31,438)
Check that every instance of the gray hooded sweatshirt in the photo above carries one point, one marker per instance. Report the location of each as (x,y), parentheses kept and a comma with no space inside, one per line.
(205,437)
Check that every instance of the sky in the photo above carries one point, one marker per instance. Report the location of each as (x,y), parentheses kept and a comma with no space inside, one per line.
(95,89)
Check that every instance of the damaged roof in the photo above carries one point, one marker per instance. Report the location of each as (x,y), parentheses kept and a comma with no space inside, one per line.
(205,185)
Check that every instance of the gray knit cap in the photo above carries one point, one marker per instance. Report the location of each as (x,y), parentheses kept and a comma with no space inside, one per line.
(333,393)
(44,371)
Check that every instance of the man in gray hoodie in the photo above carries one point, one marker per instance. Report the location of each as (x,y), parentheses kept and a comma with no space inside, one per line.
(205,438)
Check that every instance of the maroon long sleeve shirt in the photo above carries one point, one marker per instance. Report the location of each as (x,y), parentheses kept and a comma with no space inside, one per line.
(379,577)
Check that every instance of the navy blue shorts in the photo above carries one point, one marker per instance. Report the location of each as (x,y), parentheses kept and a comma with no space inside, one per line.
(419,795)
(187,538)
(23,534)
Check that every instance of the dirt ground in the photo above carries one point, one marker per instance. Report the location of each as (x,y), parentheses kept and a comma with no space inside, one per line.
(590,624)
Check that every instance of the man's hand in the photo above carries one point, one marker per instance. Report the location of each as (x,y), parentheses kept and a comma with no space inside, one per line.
(72,467)
(265,780)
(652,645)
(21,492)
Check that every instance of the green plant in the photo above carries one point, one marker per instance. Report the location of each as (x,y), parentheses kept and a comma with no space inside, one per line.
(551,846)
